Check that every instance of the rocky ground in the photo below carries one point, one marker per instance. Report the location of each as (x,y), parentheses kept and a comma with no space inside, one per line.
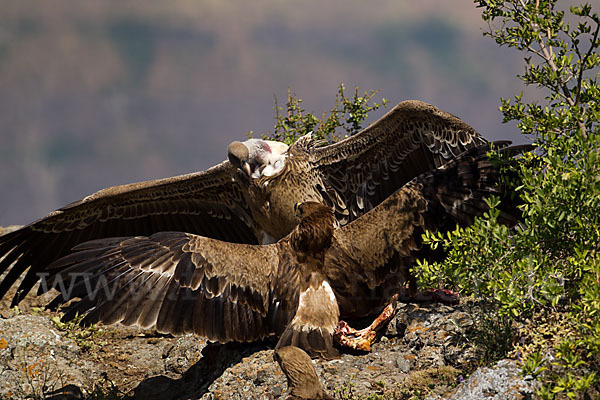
(427,351)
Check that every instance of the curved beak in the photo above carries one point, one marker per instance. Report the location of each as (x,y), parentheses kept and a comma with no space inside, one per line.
(297,209)
(246,168)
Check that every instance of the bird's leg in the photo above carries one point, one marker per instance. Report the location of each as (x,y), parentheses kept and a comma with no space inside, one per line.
(412,294)
(347,336)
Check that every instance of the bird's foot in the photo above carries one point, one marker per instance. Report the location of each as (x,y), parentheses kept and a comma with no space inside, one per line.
(363,339)
(443,296)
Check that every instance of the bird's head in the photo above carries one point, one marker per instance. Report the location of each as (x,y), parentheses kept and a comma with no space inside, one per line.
(258,157)
(239,155)
(317,223)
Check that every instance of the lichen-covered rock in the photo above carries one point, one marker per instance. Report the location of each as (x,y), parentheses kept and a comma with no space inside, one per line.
(36,358)
(500,382)
(424,350)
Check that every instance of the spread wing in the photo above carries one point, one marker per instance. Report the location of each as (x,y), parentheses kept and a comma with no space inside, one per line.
(209,203)
(375,252)
(179,283)
(414,137)
(371,256)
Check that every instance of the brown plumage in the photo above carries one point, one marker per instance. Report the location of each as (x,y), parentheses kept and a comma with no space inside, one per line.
(224,203)
(303,381)
(297,288)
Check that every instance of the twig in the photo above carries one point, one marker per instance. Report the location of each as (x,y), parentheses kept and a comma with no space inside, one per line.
(584,60)
(548,56)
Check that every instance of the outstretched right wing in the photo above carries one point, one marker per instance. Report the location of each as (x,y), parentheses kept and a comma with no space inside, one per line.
(178,283)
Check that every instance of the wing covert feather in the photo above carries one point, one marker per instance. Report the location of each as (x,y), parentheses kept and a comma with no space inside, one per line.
(363,251)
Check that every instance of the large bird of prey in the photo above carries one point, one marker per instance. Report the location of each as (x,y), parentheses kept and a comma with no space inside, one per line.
(297,288)
(227,202)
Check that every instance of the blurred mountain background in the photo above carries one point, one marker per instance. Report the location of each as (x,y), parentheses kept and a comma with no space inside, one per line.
(95,94)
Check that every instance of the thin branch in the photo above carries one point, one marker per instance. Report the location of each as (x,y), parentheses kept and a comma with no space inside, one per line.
(548,57)
(584,61)
(546,53)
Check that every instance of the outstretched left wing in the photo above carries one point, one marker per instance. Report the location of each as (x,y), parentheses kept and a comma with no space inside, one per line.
(375,252)
(208,203)
(414,137)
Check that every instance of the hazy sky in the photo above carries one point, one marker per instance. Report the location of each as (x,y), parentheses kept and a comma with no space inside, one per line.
(96,94)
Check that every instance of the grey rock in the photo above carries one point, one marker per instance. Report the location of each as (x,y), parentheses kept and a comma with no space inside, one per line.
(501,382)
(184,353)
(403,364)
(37,358)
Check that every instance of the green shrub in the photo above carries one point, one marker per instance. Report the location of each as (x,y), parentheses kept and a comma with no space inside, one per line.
(345,119)
(549,264)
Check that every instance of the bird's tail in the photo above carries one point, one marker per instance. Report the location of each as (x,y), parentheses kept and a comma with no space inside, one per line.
(316,341)
(456,192)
